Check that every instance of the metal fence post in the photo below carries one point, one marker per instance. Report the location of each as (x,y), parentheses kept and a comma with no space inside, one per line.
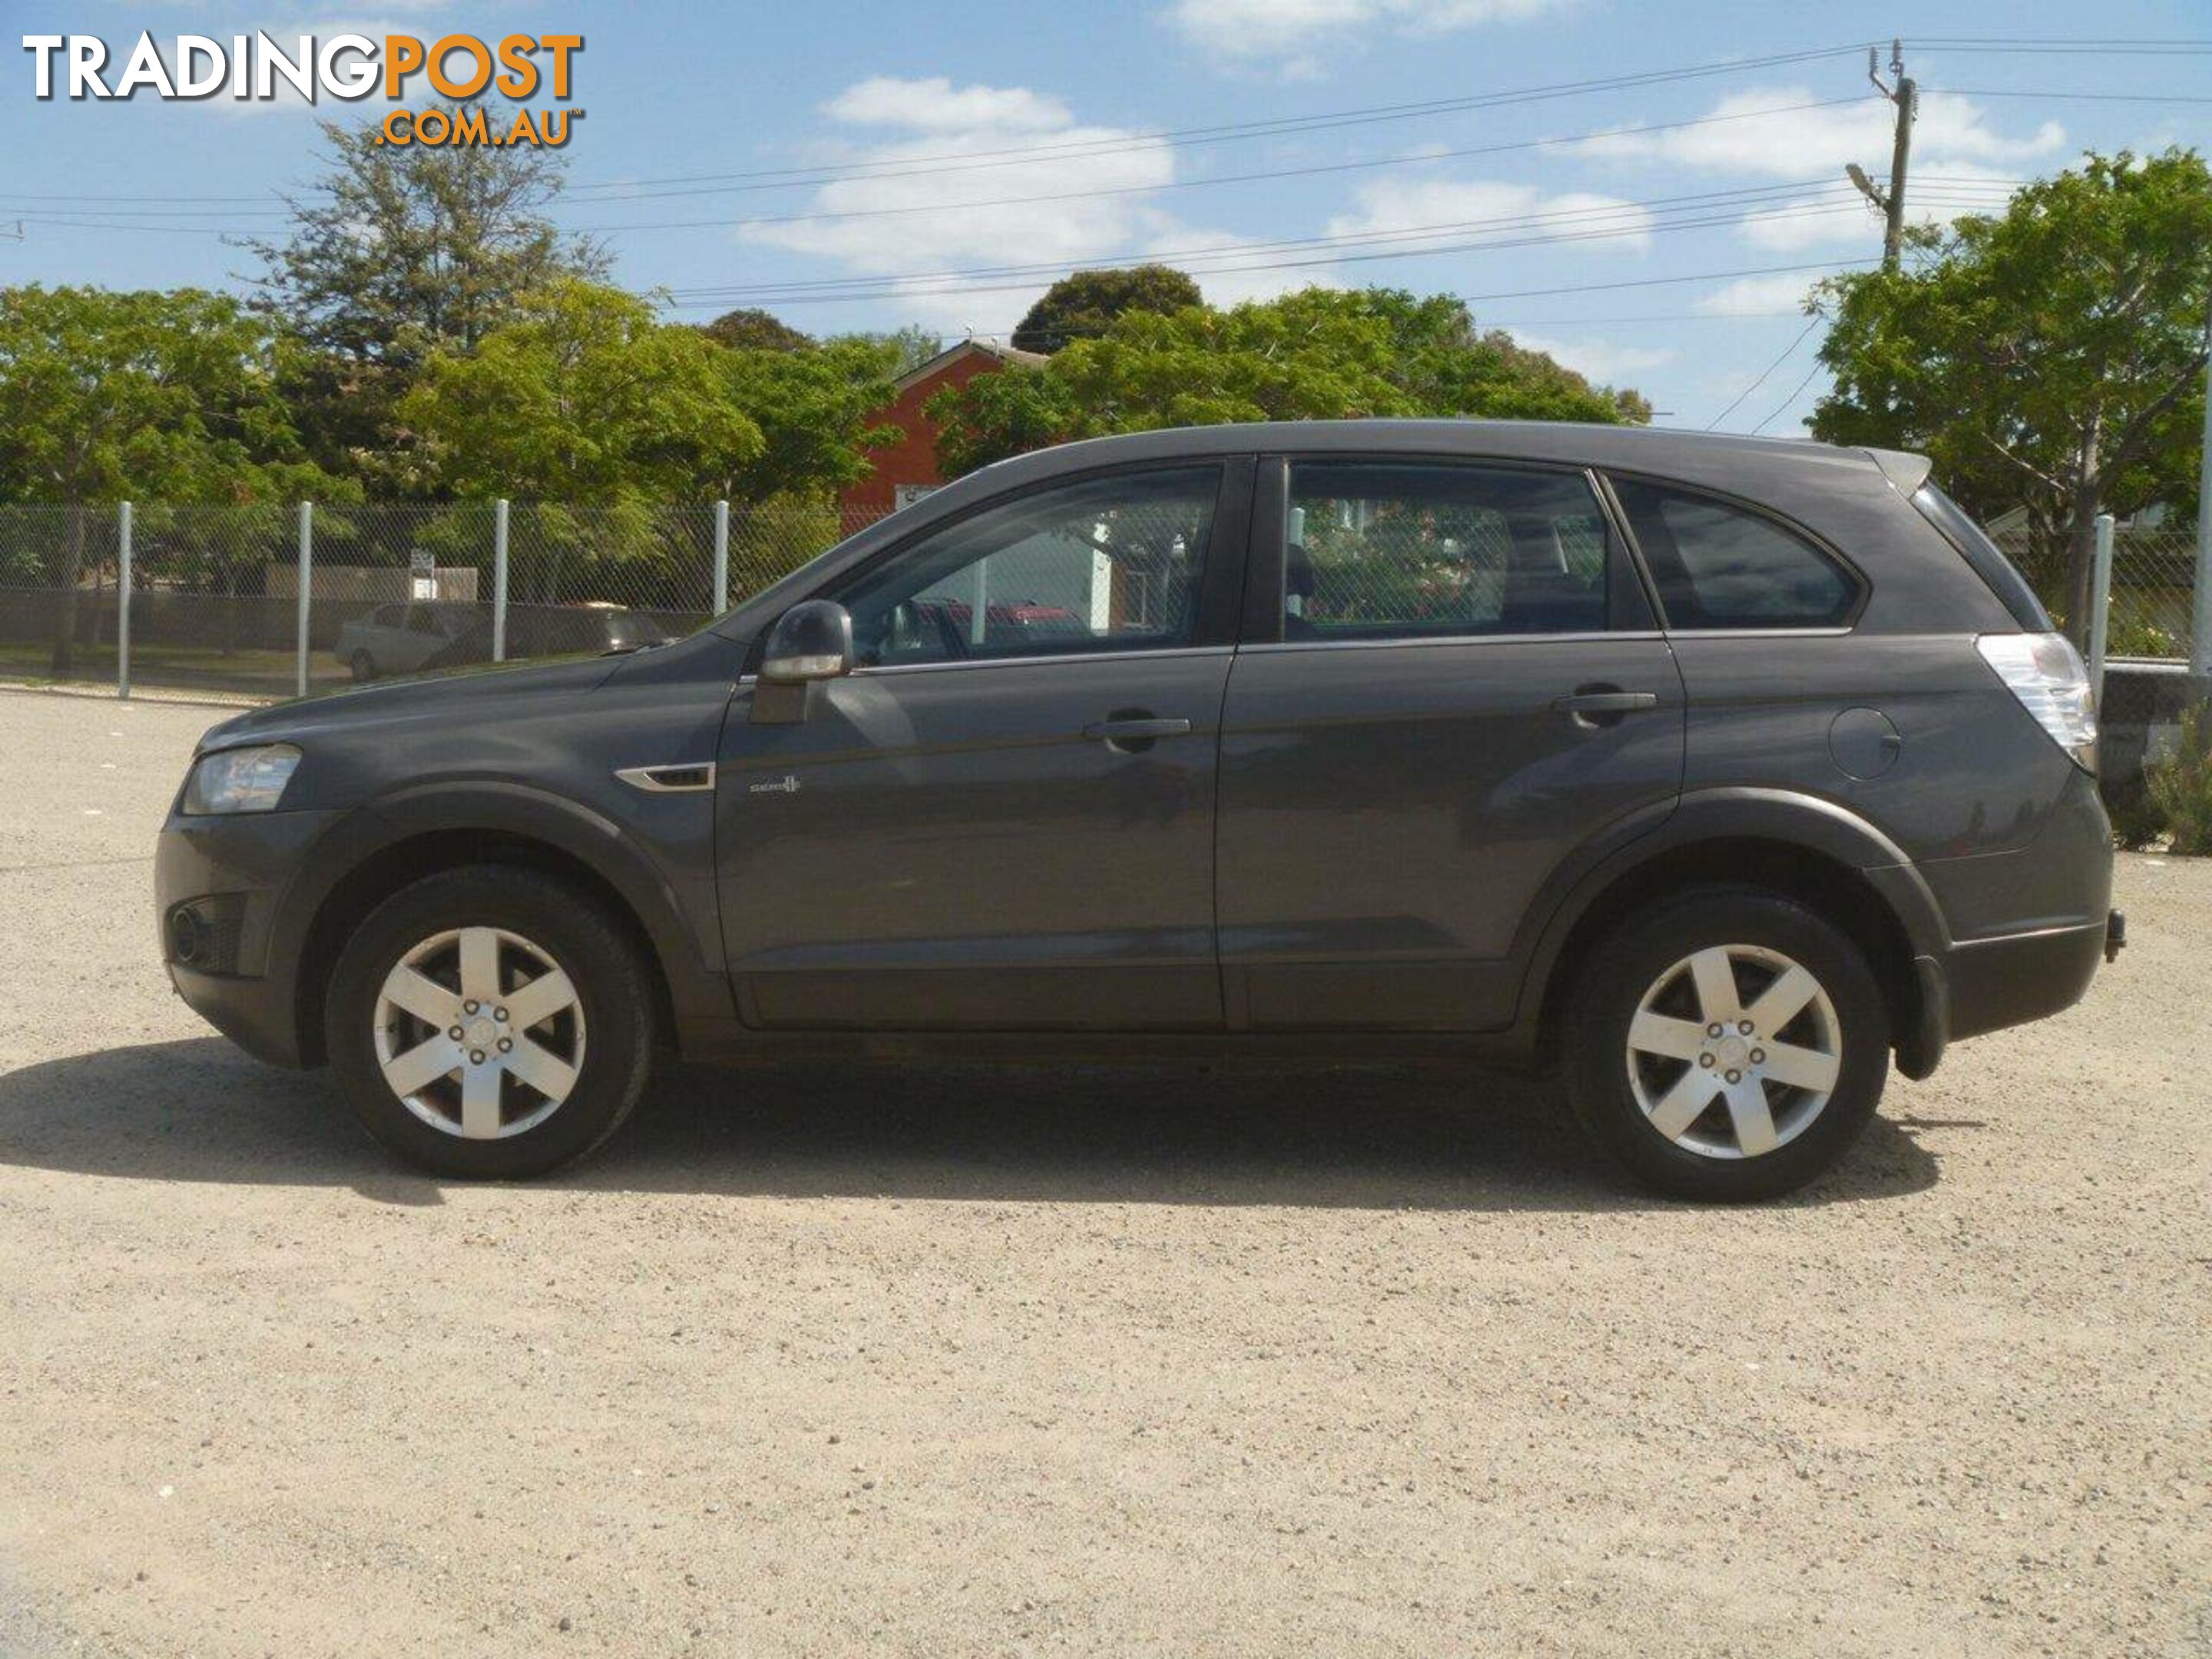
(2100,606)
(499,582)
(2200,607)
(721,594)
(123,601)
(306,574)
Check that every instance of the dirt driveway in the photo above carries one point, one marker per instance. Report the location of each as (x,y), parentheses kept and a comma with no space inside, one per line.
(938,1363)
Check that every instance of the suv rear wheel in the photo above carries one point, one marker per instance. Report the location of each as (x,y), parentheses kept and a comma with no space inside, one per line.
(490,1023)
(1726,1044)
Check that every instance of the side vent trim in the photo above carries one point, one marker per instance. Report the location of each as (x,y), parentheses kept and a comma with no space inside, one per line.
(671,778)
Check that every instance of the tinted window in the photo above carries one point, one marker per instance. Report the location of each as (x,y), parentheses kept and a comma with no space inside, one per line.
(1407,549)
(1987,559)
(1717,566)
(1106,565)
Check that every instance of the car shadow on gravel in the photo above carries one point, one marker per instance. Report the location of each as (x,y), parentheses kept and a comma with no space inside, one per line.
(1356,1137)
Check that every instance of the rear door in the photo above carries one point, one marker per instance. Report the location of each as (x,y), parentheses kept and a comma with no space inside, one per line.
(1003,818)
(1451,678)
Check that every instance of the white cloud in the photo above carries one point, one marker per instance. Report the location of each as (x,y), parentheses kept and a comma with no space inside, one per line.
(1764,132)
(1602,361)
(1960,162)
(1752,295)
(1288,34)
(1490,210)
(935,105)
(960,230)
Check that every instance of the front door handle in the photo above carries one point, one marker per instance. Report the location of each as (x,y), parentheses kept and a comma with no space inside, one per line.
(1603,705)
(1134,733)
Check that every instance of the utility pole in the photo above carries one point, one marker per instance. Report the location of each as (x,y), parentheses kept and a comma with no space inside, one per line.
(1906,94)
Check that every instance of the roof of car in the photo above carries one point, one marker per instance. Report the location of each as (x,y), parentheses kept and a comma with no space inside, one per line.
(1655,449)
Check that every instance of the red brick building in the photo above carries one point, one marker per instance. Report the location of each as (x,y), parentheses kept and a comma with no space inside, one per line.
(908,469)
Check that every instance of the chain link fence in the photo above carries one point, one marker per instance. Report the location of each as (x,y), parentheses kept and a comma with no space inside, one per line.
(2153,577)
(218,604)
(57,603)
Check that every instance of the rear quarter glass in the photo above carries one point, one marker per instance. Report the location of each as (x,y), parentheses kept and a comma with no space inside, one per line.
(1986,559)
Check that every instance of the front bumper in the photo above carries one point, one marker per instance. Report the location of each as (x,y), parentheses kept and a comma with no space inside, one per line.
(233,875)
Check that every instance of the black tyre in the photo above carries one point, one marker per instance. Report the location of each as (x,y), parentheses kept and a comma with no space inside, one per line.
(490,1023)
(363,666)
(1726,1044)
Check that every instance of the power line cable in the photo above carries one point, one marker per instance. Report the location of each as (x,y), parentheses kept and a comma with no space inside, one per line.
(1573,288)
(1788,401)
(1561,140)
(1737,403)
(1568,216)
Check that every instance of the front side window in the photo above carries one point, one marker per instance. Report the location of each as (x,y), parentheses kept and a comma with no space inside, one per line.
(1105,564)
(1412,550)
(1717,566)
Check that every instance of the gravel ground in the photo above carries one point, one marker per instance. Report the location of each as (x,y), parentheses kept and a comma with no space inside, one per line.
(939,1362)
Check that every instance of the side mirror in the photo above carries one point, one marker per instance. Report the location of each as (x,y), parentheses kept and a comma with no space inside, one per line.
(812,640)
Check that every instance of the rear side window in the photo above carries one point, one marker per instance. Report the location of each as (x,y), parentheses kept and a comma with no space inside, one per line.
(1717,566)
(1987,559)
(1417,549)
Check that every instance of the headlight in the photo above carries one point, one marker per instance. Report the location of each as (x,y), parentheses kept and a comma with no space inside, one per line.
(240,780)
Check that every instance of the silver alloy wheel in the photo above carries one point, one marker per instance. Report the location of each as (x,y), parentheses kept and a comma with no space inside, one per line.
(1733,1051)
(479,1032)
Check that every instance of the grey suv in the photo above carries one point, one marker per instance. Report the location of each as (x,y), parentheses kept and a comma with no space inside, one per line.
(1711,772)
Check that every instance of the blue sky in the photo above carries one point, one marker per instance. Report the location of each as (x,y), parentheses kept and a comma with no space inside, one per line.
(1004,142)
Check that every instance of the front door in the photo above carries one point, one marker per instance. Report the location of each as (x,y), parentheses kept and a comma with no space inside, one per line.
(1003,818)
(1457,682)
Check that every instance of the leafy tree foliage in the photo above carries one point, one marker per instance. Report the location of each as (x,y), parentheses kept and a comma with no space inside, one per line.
(107,396)
(752,329)
(909,347)
(814,410)
(2052,355)
(1319,355)
(584,396)
(1085,304)
(396,253)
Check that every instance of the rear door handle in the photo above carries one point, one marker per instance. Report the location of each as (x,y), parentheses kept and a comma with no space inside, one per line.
(1598,707)
(1135,731)
(1606,702)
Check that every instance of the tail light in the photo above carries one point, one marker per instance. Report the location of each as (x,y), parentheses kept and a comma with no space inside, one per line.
(2045,673)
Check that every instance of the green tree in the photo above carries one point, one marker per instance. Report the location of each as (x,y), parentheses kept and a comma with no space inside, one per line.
(910,347)
(107,396)
(752,329)
(1319,355)
(582,396)
(815,410)
(396,253)
(2051,356)
(585,399)
(1085,304)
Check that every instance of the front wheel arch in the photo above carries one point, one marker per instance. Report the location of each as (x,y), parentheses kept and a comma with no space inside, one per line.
(401,863)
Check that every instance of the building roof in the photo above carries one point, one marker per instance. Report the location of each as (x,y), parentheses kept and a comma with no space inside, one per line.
(952,355)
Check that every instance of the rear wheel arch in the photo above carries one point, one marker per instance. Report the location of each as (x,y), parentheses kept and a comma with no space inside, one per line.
(1832,887)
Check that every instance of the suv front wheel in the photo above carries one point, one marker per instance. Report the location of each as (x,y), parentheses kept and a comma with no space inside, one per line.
(490,1023)
(1726,1044)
